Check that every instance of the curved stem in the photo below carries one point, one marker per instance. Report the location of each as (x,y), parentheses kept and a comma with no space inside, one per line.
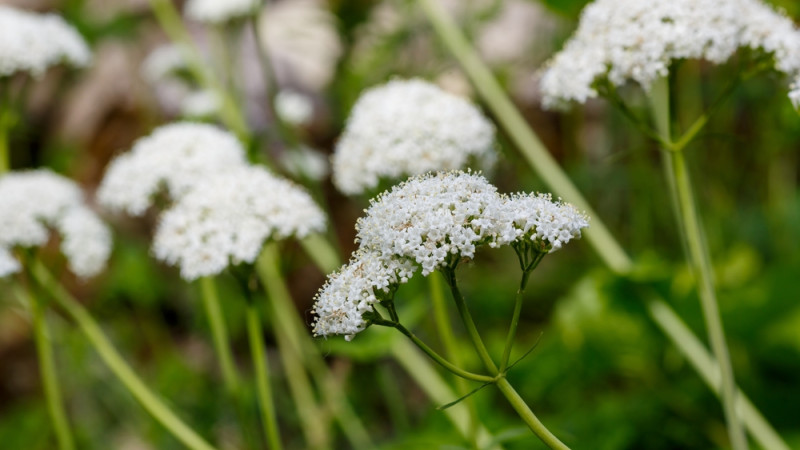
(466,317)
(699,259)
(255,335)
(116,363)
(512,329)
(47,367)
(528,416)
(436,357)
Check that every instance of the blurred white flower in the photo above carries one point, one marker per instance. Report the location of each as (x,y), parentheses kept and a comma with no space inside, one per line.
(228,217)
(631,40)
(177,157)
(305,162)
(31,42)
(33,202)
(303,42)
(408,127)
(294,107)
(162,62)
(219,11)
(794,93)
(202,103)
(430,221)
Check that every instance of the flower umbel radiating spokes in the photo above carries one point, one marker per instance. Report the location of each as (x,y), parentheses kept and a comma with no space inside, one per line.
(31,203)
(408,127)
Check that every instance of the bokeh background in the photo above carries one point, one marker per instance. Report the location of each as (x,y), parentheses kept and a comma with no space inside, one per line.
(601,373)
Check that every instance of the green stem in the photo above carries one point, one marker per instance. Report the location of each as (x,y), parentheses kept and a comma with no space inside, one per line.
(265,399)
(699,260)
(222,347)
(528,416)
(219,333)
(436,357)
(598,236)
(447,336)
(5,157)
(300,343)
(322,252)
(512,329)
(170,20)
(47,366)
(466,317)
(116,363)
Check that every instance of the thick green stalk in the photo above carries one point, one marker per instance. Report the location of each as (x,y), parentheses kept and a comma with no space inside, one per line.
(298,338)
(265,399)
(47,367)
(604,244)
(698,258)
(116,363)
(528,416)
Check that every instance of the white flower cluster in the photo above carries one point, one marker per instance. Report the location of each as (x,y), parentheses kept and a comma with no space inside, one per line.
(423,222)
(294,107)
(624,40)
(228,217)
(176,156)
(409,127)
(34,201)
(32,42)
(163,62)
(219,11)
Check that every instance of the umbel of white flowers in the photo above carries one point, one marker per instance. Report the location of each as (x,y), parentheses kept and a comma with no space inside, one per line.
(176,157)
(633,40)
(216,11)
(423,223)
(228,217)
(32,203)
(409,127)
(32,43)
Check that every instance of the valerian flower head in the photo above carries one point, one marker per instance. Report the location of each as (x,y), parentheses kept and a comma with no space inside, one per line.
(32,203)
(352,291)
(227,218)
(217,11)
(176,157)
(630,40)
(408,127)
(432,221)
(32,43)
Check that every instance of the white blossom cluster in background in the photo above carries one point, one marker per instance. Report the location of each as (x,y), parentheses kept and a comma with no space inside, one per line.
(294,107)
(32,43)
(162,62)
(423,222)
(229,216)
(633,40)
(222,209)
(33,202)
(409,127)
(218,11)
(174,157)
